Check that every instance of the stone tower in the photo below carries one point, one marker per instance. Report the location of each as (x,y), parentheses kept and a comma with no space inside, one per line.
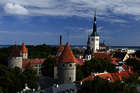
(24,51)
(93,39)
(61,48)
(15,59)
(58,54)
(67,66)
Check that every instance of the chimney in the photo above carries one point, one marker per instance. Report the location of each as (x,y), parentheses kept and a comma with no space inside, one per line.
(60,39)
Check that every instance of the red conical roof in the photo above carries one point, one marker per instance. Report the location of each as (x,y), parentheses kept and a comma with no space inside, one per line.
(23,48)
(60,49)
(15,51)
(67,55)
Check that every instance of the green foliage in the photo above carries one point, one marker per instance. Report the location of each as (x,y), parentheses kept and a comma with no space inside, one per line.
(41,51)
(48,67)
(138,53)
(4,52)
(136,64)
(31,78)
(97,65)
(79,73)
(77,52)
(13,80)
(99,85)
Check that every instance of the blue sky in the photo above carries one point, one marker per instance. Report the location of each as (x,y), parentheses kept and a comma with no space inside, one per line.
(42,21)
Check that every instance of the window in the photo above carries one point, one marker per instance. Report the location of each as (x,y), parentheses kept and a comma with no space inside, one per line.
(36,65)
(70,65)
(97,39)
(69,78)
(63,65)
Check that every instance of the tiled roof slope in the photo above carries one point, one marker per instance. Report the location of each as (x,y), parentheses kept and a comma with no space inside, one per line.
(15,51)
(30,62)
(112,76)
(103,55)
(60,49)
(67,55)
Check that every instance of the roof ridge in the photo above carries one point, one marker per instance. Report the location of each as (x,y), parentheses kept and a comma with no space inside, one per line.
(67,55)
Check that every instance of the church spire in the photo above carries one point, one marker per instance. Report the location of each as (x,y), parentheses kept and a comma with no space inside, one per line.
(94,33)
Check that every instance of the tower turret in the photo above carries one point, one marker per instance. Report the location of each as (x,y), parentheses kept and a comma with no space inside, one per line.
(93,41)
(61,48)
(67,66)
(15,59)
(24,51)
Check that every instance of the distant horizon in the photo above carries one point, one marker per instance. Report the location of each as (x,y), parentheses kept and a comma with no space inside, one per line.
(63,44)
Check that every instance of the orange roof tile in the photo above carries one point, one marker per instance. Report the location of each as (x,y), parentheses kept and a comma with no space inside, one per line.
(113,76)
(88,78)
(23,48)
(103,55)
(138,59)
(61,48)
(38,61)
(80,61)
(30,62)
(67,55)
(106,76)
(26,63)
(15,51)
(116,76)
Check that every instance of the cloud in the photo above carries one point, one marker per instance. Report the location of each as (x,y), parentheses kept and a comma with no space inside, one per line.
(84,8)
(17,9)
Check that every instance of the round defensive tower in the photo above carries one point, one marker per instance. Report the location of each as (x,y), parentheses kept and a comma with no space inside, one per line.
(67,66)
(15,60)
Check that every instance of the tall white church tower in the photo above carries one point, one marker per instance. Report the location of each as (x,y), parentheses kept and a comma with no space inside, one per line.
(93,39)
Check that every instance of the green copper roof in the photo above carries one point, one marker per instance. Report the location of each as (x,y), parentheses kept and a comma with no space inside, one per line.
(94,33)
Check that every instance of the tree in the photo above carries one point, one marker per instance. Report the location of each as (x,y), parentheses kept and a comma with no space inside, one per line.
(99,85)
(48,67)
(97,65)
(79,73)
(31,78)
(136,64)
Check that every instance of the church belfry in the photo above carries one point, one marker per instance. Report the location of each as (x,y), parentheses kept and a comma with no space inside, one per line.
(93,39)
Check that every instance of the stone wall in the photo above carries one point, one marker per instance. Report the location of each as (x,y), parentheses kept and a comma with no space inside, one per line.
(67,72)
(15,62)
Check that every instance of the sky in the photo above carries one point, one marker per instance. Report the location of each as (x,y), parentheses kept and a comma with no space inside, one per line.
(43,21)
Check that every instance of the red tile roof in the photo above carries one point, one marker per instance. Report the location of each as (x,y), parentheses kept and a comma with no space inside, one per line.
(23,48)
(102,55)
(67,55)
(26,63)
(38,61)
(114,60)
(15,51)
(112,76)
(80,61)
(30,62)
(60,49)
(138,59)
